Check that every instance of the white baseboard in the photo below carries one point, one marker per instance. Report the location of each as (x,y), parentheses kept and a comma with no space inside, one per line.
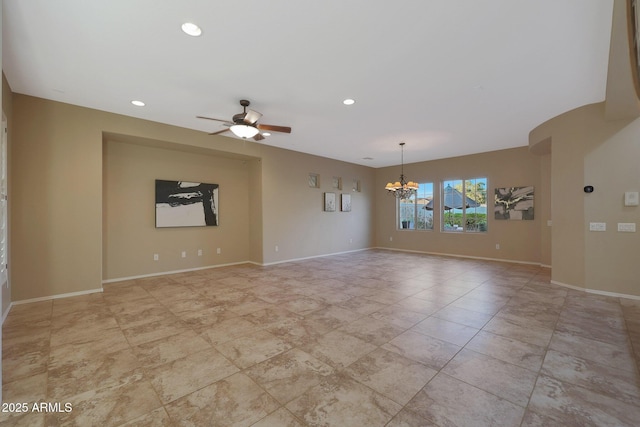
(50,297)
(120,279)
(164,273)
(465,256)
(596,291)
(311,257)
(284,261)
(6,313)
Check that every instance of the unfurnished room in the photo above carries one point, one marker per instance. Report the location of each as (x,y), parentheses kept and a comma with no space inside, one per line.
(302,214)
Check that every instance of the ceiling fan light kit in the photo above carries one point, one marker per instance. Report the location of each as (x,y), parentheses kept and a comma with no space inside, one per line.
(245,125)
(244,131)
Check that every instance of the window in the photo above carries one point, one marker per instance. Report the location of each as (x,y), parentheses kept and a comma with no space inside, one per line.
(464,205)
(416,212)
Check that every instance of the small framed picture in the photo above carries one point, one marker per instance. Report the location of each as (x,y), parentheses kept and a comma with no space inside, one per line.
(329,202)
(356,185)
(314,180)
(345,202)
(337,183)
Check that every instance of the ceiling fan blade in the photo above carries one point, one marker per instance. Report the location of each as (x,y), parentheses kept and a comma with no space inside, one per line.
(252,116)
(219,132)
(258,137)
(284,129)
(211,118)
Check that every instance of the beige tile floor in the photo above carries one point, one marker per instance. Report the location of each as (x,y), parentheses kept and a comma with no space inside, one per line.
(372,338)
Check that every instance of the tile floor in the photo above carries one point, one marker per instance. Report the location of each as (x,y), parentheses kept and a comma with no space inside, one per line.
(372,338)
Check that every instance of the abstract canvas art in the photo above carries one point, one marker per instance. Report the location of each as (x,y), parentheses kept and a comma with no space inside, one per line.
(329,202)
(186,204)
(514,203)
(345,202)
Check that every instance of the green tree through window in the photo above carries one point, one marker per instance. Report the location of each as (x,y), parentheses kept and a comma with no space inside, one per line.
(463,205)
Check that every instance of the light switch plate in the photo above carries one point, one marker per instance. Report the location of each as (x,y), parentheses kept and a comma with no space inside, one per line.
(631,198)
(597,226)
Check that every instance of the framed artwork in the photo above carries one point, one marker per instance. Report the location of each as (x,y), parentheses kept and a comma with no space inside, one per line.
(514,203)
(337,183)
(345,202)
(329,202)
(356,185)
(314,180)
(186,204)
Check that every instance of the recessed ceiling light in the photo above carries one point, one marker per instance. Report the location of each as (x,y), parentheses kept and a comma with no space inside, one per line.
(349,101)
(266,134)
(138,103)
(367,158)
(191,29)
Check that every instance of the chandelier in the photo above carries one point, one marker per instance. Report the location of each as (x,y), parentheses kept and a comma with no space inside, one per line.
(402,189)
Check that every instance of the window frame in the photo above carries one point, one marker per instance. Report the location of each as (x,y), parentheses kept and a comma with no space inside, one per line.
(414,218)
(465,220)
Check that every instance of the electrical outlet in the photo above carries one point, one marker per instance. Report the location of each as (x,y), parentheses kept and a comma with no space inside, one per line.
(350,240)
(391,238)
(277,248)
(199,252)
(627,227)
(597,226)
(184,254)
(218,251)
(497,245)
(156,257)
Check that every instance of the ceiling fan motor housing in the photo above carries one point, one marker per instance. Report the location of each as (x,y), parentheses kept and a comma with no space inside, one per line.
(239,118)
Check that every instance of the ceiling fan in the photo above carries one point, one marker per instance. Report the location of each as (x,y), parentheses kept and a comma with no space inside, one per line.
(245,124)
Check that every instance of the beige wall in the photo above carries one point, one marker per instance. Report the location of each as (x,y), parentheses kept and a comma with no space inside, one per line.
(56,211)
(57,177)
(544,207)
(587,149)
(293,214)
(56,186)
(130,238)
(518,240)
(611,258)
(596,145)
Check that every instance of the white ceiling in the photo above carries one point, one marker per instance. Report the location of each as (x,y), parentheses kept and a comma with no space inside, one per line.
(447,77)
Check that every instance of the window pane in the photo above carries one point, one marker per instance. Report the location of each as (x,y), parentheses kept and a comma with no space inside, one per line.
(452,205)
(476,211)
(424,220)
(407,213)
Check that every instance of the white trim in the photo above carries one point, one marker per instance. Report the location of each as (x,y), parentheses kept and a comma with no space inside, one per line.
(4,316)
(164,273)
(265,264)
(50,297)
(465,256)
(309,257)
(91,291)
(596,291)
